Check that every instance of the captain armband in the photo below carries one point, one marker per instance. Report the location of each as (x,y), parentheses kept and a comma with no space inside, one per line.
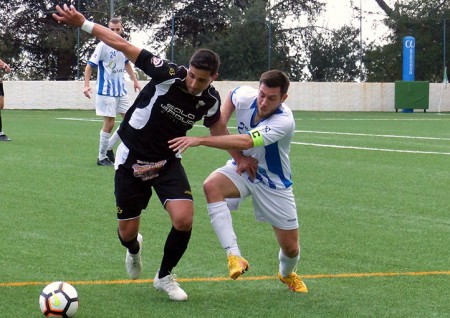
(257,137)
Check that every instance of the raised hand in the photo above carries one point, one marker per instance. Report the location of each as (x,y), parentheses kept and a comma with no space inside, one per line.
(68,15)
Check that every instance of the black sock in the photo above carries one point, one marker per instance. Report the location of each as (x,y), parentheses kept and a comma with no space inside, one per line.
(132,246)
(176,245)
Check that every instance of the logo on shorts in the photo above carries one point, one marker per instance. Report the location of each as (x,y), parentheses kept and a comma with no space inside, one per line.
(188,192)
(147,170)
(157,61)
(171,71)
(292,220)
(119,210)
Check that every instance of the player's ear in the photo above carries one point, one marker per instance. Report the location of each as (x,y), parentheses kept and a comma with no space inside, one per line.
(284,97)
(214,77)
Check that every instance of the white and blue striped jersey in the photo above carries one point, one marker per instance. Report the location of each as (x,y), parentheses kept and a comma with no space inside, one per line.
(110,65)
(274,168)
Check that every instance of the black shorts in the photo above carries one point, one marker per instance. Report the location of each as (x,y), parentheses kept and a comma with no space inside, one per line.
(2,93)
(133,194)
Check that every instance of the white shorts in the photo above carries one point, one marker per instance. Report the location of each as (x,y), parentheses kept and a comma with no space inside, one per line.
(274,206)
(111,106)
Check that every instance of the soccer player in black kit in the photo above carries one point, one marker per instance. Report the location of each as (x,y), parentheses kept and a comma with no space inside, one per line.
(167,107)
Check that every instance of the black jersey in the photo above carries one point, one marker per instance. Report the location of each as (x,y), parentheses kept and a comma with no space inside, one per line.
(164,110)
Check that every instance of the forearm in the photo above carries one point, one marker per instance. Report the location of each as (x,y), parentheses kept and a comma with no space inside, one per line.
(221,129)
(233,143)
(71,16)
(225,142)
(130,72)
(87,75)
(110,38)
(116,41)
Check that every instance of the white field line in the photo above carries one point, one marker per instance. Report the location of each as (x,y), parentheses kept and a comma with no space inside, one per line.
(374,119)
(369,135)
(338,146)
(82,119)
(372,149)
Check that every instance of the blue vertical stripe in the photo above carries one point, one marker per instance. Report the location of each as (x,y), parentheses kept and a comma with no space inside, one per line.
(101,77)
(274,165)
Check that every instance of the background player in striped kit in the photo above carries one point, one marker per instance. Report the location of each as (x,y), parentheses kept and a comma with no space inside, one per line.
(265,130)
(5,68)
(112,97)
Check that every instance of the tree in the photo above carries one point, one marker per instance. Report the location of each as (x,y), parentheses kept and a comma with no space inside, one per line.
(424,21)
(244,48)
(250,36)
(334,55)
(239,31)
(29,34)
(39,49)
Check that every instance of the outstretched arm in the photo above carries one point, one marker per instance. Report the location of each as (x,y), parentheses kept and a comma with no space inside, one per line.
(228,142)
(70,16)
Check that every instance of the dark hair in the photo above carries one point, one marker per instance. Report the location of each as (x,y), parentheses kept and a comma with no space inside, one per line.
(275,78)
(206,60)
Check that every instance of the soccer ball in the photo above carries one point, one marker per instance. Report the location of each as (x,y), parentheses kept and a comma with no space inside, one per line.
(59,299)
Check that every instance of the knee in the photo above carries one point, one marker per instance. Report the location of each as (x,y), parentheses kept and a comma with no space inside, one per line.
(183,222)
(127,231)
(183,225)
(212,192)
(125,236)
(208,186)
(291,251)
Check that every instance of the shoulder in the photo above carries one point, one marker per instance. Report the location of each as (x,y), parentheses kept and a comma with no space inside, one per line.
(146,57)
(101,46)
(144,54)
(244,95)
(283,117)
(211,92)
(156,67)
(286,110)
(245,91)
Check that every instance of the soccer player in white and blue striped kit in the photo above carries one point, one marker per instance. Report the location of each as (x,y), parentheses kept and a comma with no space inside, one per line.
(112,96)
(260,168)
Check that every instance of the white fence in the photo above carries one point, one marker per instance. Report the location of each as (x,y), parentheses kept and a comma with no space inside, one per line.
(308,96)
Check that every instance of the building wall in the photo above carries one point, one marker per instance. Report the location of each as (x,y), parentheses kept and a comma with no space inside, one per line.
(307,96)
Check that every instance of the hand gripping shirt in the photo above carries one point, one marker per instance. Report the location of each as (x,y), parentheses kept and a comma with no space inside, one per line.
(110,65)
(271,137)
(164,109)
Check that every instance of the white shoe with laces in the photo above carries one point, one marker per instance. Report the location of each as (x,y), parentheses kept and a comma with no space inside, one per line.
(133,261)
(170,286)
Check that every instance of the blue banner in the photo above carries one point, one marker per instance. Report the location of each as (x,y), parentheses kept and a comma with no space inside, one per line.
(409,55)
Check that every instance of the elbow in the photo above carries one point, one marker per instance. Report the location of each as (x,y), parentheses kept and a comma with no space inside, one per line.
(247,144)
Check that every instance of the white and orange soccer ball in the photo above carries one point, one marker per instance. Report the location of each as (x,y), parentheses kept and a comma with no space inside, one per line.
(59,299)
